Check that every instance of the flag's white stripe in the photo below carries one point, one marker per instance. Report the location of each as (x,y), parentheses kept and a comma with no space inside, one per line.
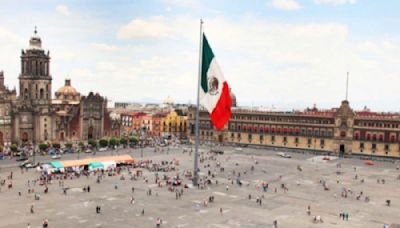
(207,100)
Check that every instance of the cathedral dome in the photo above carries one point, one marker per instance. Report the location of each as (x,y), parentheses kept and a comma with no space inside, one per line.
(67,93)
(168,101)
(67,89)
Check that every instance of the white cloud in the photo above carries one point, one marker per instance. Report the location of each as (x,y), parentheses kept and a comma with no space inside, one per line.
(285,4)
(154,27)
(335,2)
(8,36)
(63,9)
(183,3)
(104,47)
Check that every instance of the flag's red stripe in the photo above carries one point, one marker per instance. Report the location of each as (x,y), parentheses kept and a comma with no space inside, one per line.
(222,111)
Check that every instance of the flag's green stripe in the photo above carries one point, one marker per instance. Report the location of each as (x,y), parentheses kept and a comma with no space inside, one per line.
(208,55)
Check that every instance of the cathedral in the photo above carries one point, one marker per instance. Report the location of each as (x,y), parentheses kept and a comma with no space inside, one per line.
(34,116)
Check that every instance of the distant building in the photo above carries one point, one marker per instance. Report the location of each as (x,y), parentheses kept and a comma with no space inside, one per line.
(339,130)
(34,116)
(174,124)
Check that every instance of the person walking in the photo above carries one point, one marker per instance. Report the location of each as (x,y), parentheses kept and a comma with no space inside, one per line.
(158,222)
(45,223)
(32,211)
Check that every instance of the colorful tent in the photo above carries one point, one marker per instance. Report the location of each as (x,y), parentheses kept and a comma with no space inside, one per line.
(95,165)
(56,164)
(86,161)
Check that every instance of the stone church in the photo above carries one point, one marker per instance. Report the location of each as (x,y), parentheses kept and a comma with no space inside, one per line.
(34,116)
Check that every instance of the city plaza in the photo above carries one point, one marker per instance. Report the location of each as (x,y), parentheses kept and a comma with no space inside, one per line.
(294,184)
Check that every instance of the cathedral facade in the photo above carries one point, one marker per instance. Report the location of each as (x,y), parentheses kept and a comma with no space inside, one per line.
(34,116)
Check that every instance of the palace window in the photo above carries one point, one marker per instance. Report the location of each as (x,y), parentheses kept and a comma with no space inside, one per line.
(309,141)
(273,138)
(342,134)
(356,136)
(285,139)
(386,147)
(296,140)
(261,137)
(361,146)
(322,142)
(381,138)
(373,147)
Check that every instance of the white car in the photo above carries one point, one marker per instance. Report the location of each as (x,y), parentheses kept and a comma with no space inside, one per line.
(57,156)
(103,149)
(283,155)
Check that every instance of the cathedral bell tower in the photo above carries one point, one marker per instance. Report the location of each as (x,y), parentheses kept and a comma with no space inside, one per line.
(35,78)
(34,122)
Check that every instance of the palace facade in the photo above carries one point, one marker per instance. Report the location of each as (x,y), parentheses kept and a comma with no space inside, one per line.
(34,116)
(339,130)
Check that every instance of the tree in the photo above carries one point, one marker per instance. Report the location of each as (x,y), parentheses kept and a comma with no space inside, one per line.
(81,145)
(103,142)
(43,146)
(14,148)
(112,142)
(56,145)
(123,141)
(92,142)
(133,140)
(68,145)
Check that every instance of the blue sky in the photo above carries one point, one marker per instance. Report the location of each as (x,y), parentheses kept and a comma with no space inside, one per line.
(282,53)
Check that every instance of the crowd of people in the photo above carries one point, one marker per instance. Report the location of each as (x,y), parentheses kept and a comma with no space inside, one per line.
(169,177)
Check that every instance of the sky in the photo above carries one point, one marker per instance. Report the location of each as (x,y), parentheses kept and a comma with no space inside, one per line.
(289,54)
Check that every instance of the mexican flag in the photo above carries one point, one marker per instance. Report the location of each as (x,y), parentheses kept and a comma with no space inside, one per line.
(214,90)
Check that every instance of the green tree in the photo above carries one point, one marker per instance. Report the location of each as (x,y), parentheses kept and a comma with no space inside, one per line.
(133,140)
(81,145)
(43,146)
(56,145)
(68,145)
(112,142)
(103,142)
(14,148)
(92,142)
(123,141)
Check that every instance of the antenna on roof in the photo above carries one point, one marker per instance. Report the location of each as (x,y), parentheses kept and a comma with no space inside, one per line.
(347,86)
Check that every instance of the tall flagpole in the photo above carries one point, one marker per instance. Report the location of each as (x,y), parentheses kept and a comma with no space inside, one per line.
(196,150)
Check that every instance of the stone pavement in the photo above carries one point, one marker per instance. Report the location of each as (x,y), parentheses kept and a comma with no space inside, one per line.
(77,208)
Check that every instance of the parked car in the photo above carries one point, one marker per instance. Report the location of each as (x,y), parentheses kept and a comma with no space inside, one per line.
(29,164)
(283,155)
(215,151)
(57,156)
(22,158)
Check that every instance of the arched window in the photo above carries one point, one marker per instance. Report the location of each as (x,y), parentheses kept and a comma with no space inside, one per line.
(356,136)
(26,94)
(342,134)
(41,93)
